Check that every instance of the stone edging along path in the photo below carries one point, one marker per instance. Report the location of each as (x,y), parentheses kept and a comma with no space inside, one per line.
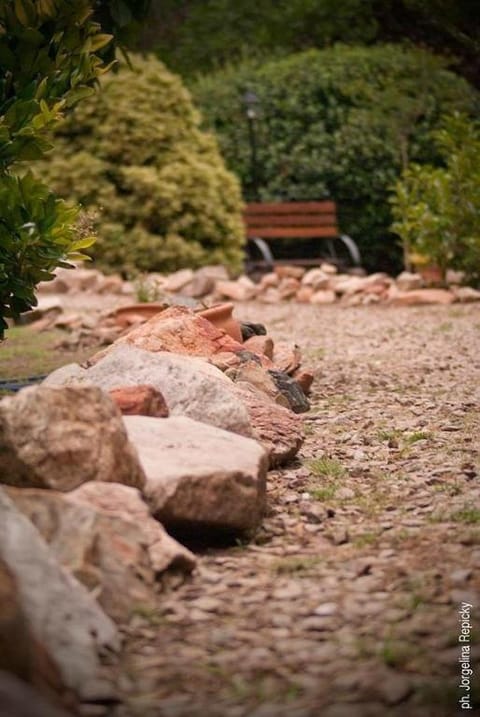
(86,492)
(345,599)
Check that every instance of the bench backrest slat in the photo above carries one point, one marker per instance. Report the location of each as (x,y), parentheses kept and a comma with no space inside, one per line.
(325,207)
(291,232)
(291,220)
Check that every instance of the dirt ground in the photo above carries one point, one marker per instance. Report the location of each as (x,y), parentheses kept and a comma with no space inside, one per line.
(346,602)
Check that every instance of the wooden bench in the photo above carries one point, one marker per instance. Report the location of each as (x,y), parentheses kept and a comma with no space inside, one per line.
(294,222)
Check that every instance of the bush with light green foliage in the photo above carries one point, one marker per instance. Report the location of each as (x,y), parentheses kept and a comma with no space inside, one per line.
(437,209)
(341,123)
(135,153)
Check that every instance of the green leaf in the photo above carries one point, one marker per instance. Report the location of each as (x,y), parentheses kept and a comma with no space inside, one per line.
(25,12)
(84,243)
(77,94)
(99,41)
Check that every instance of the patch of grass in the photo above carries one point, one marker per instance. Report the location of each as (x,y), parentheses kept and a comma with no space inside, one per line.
(295,565)
(317,353)
(470,516)
(27,353)
(466,515)
(392,434)
(449,487)
(364,539)
(395,653)
(149,614)
(443,328)
(308,429)
(326,467)
(147,289)
(411,438)
(396,435)
(325,493)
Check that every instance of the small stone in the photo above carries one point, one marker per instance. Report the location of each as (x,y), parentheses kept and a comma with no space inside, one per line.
(324,296)
(270,296)
(394,688)
(304,380)
(421,297)
(268,281)
(176,281)
(290,591)
(285,270)
(304,294)
(140,400)
(461,575)
(288,287)
(260,345)
(406,281)
(206,604)
(465,294)
(236,290)
(316,279)
(326,609)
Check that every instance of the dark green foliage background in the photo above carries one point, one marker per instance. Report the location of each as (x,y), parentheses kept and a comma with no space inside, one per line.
(194,36)
(337,123)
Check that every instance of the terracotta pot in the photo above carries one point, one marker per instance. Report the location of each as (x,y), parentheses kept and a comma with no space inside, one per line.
(221,316)
(431,274)
(134,313)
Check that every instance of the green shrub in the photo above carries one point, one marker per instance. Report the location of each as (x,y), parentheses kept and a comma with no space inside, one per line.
(340,123)
(49,60)
(47,63)
(437,209)
(135,152)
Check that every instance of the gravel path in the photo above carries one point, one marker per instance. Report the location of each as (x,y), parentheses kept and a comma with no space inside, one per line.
(346,602)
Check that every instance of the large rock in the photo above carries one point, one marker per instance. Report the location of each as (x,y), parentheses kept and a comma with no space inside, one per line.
(127,504)
(278,429)
(20,653)
(178,330)
(199,475)
(18,699)
(190,386)
(106,537)
(63,617)
(61,437)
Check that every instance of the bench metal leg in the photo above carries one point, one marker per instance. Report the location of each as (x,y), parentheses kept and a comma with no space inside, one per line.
(352,248)
(264,250)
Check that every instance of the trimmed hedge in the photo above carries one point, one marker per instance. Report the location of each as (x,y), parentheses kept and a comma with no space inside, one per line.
(339,123)
(135,153)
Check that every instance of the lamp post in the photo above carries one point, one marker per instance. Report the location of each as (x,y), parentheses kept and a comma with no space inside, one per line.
(250,101)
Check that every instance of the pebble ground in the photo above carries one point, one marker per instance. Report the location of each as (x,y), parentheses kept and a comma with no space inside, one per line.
(346,601)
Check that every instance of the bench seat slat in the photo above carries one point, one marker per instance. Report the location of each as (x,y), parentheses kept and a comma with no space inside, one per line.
(325,207)
(291,232)
(292,220)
